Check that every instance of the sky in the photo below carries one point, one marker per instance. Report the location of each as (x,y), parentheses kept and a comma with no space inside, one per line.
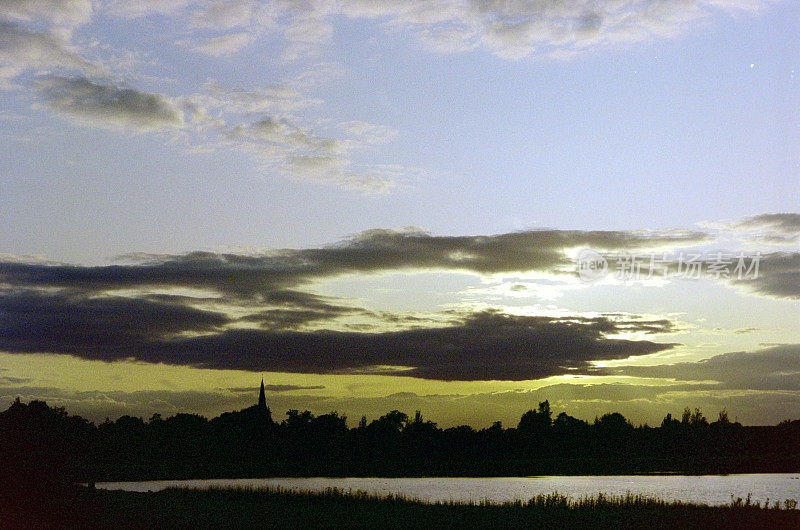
(459,207)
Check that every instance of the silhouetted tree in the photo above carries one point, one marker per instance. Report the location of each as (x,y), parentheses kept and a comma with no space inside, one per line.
(536,422)
(46,446)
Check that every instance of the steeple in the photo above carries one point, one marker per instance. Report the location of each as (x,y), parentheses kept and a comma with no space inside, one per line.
(262,398)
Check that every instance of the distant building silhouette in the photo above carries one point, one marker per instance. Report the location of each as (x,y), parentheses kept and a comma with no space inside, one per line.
(261,410)
(262,398)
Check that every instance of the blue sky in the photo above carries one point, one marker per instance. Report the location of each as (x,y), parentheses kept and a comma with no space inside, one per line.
(136,134)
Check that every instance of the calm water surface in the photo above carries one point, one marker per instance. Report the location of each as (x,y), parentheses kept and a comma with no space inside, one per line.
(707,489)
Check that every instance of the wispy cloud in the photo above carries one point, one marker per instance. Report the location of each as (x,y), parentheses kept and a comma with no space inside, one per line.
(281,132)
(267,123)
(518,29)
(507,29)
(28,49)
(224,45)
(510,30)
(36,37)
(222,15)
(141,8)
(65,13)
(369,133)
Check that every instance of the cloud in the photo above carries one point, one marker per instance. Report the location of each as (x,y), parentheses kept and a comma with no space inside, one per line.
(335,170)
(278,388)
(295,309)
(281,132)
(784,222)
(775,368)
(34,50)
(142,8)
(775,274)
(224,15)
(508,29)
(369,133)
(93,326)
(273,99)
(108,105)
(377,250)
(35,35)
(290,388)
(770,228)
(764,229)
(225,45)
(58,12)
(477,346)
(778,276)
(298,153)
(252,313)
(7,73)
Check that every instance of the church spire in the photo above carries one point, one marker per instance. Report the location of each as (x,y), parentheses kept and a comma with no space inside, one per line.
(262,398)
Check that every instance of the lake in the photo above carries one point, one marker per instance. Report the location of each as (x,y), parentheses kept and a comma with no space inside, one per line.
(705,489)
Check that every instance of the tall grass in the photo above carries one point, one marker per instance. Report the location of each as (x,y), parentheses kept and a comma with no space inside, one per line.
(248,507)
(542,501)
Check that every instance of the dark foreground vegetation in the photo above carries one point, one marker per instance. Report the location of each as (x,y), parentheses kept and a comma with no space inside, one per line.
(44,445)
(242,508)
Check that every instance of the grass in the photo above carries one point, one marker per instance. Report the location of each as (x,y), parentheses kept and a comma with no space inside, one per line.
(335,508)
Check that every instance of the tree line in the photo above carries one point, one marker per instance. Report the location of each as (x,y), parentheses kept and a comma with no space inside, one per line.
(45,445)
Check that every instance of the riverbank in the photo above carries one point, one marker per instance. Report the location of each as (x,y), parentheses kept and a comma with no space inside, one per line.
(239,508)
(713,490)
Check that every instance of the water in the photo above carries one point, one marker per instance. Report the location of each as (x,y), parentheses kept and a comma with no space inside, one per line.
(703,489)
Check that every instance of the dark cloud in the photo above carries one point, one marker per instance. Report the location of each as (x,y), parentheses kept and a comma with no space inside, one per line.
(778,276)
(298,309)
(106,327)
(763,229)
(108,105)
(260,276)
(483,346)
(783,226)
(512,252)
(486,345)
(295,318)
(775,274)
(775,368)
(78,310)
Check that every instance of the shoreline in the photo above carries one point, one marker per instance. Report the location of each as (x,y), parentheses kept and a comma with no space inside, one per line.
(241,507)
